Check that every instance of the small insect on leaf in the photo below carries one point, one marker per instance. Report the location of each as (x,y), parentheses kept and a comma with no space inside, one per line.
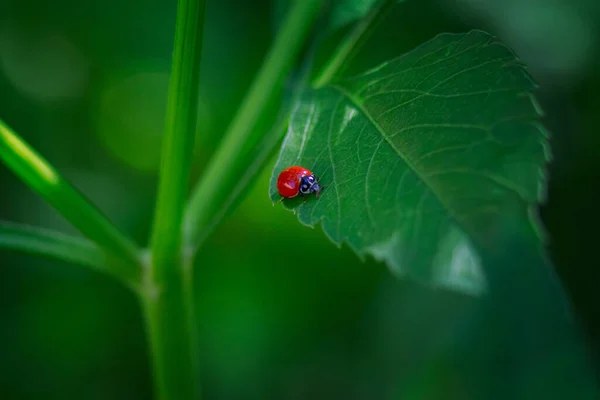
(296,180)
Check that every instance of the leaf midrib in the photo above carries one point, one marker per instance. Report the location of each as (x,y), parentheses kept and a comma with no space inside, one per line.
(355,101)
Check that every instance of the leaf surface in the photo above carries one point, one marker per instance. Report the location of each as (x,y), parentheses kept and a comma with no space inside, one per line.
(423,157)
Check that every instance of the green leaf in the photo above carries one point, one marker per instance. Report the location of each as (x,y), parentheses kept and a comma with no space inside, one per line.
(39,175)
(423,156)
(52,244)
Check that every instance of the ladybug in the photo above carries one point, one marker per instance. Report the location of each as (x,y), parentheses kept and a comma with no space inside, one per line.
(296,180)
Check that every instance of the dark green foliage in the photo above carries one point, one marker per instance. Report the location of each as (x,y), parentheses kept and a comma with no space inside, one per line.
(424,156)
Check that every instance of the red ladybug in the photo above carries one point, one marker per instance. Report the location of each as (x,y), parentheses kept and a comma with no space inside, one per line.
(296,180)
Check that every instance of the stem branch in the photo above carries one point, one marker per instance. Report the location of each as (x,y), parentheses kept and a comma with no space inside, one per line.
(39,175)
(350,45)
(52,244)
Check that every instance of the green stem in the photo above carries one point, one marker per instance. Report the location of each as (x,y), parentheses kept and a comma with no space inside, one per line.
(266,150)
(350,45)
(167,287)
(40,176)
(221,173)
(52,244)
(178,142)
(171,329)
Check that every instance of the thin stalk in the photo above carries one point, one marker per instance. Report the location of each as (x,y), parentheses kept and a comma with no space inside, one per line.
(39,175)
(167,287)
(266,148)
(221,174)
(178,142)
(56,245)
(350,45)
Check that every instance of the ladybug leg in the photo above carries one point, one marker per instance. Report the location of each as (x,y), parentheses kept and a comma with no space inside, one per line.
(322,188)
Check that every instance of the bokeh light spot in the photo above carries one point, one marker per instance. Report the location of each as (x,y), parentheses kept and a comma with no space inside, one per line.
(130,117)
(44,66)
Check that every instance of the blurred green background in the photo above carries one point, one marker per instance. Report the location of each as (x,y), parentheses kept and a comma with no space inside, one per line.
(84,82)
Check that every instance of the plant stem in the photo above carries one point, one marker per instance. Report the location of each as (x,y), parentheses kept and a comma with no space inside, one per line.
(171,331)
(39,175)
(265,149)
(180,128)
(167,288)
(222,172)
(52,244)
(352,43)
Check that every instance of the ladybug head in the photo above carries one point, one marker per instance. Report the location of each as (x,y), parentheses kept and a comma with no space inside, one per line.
(316,188)
(308,184)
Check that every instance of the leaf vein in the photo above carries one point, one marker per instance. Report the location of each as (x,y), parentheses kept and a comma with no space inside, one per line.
(339,218)
(461,126)
(462,71)
(409,164)
(413,68)
(369,211)
(499,180)
(441,95)
(305,132)
(358,141)
(398,190)
(451,148)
